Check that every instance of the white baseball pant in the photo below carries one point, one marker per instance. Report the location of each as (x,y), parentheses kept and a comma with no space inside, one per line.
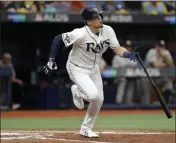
(90,88)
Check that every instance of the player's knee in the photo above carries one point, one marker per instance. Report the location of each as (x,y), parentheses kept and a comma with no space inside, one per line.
(94,96)
(101,100)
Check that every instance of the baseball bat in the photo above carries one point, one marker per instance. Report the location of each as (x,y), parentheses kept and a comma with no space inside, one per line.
(158,94)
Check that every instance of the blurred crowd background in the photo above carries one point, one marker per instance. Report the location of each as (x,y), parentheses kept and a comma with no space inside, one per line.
(25,47)
(122,7)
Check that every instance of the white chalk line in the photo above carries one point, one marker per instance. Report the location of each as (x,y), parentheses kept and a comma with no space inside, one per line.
(9,133)
(16,132)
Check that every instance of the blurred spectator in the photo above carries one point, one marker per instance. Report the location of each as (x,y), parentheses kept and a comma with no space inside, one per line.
(62,6)
(154,7)
(78,6)
(121,7)
(3,4)
(158,57)
(34,6)
(22,6)
(125,87)
(13,6)
(109,6)
(57,7)
(171,6)
(30,6)
(40,5)
(94,3)
(16,83)
(114,7)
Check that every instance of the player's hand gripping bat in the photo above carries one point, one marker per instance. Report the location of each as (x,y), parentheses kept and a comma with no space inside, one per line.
(158,94)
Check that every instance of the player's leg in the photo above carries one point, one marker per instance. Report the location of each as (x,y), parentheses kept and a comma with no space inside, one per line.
(85,86)
(94,106)
(88,91)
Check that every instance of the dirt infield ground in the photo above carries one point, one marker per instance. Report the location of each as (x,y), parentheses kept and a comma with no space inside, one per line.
(72,136)
(53,136)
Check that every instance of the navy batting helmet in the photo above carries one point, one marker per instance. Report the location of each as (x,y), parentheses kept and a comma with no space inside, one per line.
(91,12)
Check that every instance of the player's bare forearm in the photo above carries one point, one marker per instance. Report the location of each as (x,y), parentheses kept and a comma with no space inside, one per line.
(120,51)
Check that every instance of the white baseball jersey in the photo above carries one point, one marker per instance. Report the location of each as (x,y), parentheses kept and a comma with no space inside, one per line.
(88,47)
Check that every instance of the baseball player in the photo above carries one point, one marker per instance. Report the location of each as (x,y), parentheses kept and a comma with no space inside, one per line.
(89,43)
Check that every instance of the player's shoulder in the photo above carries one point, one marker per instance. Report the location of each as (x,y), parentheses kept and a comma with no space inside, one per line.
(79,30)
(107,30)
(107,27)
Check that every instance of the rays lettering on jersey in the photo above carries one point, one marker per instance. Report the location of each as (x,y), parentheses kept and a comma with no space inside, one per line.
(99,47)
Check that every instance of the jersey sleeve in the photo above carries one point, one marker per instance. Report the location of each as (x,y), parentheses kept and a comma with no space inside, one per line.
(71,37)
(114,43)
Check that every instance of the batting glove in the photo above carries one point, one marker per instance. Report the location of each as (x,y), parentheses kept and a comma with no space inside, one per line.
(130,55)
(51,65)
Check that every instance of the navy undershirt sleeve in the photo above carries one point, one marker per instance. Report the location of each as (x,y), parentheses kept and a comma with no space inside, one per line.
(56,44)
